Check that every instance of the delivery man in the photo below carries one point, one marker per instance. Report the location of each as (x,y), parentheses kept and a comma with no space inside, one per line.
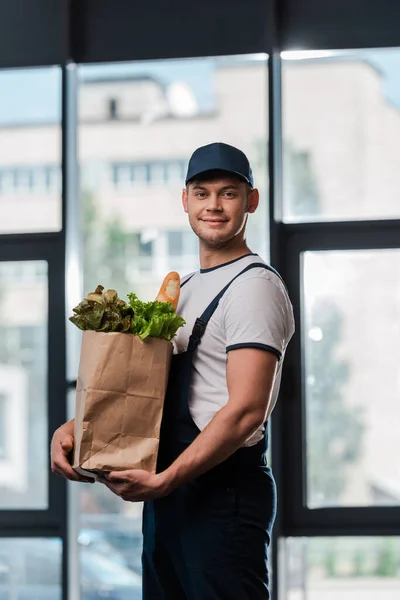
(210,508)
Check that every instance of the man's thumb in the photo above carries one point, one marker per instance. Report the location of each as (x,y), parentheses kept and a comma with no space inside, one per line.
(67,443)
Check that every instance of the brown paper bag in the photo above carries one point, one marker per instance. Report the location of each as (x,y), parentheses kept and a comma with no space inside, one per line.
(120,395)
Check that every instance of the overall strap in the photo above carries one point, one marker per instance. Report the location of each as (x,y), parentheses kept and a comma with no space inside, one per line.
(202,322)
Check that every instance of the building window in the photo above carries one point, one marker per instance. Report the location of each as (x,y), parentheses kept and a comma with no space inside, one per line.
(113,108)
(23,179)
(175,243)
(140,174)
(33,179)
(122,175)
(175,171)
(3,427)
(156,172)
(53,183)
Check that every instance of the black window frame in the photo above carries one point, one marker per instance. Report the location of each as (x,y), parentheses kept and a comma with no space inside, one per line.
(45,33)
(297,518)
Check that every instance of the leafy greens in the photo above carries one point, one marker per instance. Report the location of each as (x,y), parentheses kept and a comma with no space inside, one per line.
(154,319)
(108,313)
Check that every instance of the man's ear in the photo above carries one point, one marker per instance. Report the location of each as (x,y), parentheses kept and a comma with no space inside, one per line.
(185,200)
(252,201)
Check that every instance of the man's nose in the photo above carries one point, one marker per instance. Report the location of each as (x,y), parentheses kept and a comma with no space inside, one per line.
(214,202)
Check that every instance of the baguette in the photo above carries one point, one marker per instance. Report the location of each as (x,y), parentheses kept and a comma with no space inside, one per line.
(170,289)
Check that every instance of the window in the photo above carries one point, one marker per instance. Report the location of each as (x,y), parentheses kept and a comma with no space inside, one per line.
(157,172)
(30,567)
(175,243)
(24,181)
(182,251)
(4,444)
(340,567)
(134,229)
(122,174)
(341,120)
(175,172)
(23,385)
(30,142)
(351,337)
(340,256)
(113,108)
(140,174)
(53,179)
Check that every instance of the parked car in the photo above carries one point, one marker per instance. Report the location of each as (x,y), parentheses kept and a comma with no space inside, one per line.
(101,578)
(126,545)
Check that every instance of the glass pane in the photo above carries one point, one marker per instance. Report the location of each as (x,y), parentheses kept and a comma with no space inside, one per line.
(341,123)
(345,568)
(30,150)
(109,540)
(110,543)
(134,229)
(30,568)
(351,321)
(133,226)
(24,467)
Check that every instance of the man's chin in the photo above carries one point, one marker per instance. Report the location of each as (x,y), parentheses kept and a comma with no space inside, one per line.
(214,242)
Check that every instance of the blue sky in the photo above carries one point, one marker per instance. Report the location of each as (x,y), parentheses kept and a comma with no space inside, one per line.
(28,96)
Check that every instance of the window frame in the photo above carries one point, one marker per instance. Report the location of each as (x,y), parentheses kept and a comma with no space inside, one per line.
(49,248)
(68,32)
(297,518)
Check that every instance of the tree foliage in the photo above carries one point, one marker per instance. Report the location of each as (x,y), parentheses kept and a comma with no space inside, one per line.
(334,427)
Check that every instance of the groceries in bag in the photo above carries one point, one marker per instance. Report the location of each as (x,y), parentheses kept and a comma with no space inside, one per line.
(123,375)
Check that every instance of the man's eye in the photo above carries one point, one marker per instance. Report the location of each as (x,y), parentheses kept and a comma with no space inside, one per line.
(200,194)
(229,194)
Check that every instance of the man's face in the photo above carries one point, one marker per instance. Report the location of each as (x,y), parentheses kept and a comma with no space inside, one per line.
(218,208)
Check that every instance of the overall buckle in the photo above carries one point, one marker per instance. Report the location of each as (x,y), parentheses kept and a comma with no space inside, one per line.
(197,333)
(198,329)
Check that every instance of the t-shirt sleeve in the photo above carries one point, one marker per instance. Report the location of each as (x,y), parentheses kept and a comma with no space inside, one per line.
(257,313)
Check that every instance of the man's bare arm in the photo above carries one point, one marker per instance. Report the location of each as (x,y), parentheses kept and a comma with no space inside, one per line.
(250,378)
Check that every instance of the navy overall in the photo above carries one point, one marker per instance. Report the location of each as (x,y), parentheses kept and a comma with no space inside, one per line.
(208,539)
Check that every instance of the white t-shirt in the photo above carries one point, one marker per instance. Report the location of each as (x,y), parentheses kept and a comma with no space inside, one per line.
(255,311)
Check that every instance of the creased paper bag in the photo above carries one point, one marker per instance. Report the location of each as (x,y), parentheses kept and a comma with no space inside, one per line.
(120,394)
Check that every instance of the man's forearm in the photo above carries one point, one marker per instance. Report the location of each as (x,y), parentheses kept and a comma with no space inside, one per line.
(227,432)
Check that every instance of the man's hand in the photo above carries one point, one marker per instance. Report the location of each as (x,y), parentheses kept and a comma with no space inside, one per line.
(135,485)
(62,446)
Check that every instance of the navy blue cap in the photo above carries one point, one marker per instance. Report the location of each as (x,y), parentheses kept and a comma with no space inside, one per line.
(219,157)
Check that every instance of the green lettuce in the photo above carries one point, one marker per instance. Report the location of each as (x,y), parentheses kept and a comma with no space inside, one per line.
(154,319)
(106,312)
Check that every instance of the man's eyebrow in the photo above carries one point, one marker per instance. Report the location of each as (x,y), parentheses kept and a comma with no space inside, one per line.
(232,186)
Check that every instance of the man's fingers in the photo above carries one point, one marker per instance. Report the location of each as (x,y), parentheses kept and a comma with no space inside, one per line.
(66,471)
(110,484)
(118,487)
(118,476)
(62,446)
(115,488)
(63,468)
